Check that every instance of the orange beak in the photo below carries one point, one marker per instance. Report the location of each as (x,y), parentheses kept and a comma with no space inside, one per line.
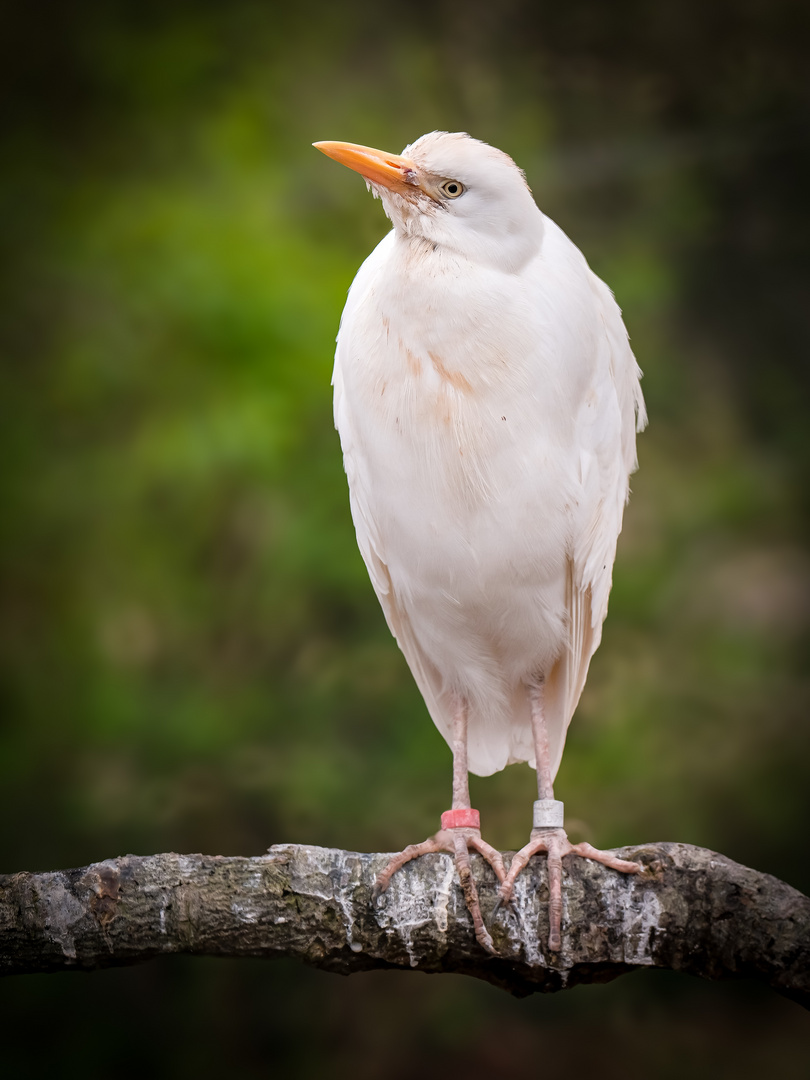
(392,171)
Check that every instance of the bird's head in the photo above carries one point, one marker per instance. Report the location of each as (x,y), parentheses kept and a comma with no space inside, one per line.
(454,192)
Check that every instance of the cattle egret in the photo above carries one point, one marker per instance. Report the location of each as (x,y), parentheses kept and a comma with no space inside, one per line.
(487,403)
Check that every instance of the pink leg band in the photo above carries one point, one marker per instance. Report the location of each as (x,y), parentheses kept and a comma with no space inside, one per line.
(463,818)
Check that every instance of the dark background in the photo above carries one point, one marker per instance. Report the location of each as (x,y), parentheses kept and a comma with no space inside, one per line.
(192,657)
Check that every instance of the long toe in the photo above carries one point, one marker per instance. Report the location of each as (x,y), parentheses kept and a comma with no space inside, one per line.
(607,858)
(468,887)
(519,862)
(412,851)
(491,854)
(556,845)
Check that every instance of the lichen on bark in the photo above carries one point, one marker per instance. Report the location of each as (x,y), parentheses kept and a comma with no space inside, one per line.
(690,910)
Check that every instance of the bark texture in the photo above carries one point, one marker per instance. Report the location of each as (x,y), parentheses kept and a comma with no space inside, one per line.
(691,910)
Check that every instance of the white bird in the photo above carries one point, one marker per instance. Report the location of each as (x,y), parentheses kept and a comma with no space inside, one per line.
(487,402)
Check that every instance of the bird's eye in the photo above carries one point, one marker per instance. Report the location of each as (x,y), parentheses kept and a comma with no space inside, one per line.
(453,188)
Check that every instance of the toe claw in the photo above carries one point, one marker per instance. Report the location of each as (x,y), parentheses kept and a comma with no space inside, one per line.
(503,905)
(485,941)
(506,894)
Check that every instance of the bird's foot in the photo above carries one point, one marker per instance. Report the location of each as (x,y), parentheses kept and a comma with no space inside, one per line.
(555,844)
(458,840)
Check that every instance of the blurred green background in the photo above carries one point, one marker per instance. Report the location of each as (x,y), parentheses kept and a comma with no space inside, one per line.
(192,656)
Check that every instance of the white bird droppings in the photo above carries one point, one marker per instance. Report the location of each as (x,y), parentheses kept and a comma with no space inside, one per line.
(443,896)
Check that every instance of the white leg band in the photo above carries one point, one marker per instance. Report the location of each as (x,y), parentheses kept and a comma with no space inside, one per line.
(548,814)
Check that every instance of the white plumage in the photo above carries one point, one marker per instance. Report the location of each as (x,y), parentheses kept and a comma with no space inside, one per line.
(487,402)
(486,399)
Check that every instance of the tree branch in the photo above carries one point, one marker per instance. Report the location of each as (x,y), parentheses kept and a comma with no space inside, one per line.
(690,910)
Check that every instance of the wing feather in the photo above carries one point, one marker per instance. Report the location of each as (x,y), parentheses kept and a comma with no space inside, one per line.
(606,425)
(607,433)
(426,675)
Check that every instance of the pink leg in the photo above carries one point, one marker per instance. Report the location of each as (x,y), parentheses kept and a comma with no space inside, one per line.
(457,841)
(552,841)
